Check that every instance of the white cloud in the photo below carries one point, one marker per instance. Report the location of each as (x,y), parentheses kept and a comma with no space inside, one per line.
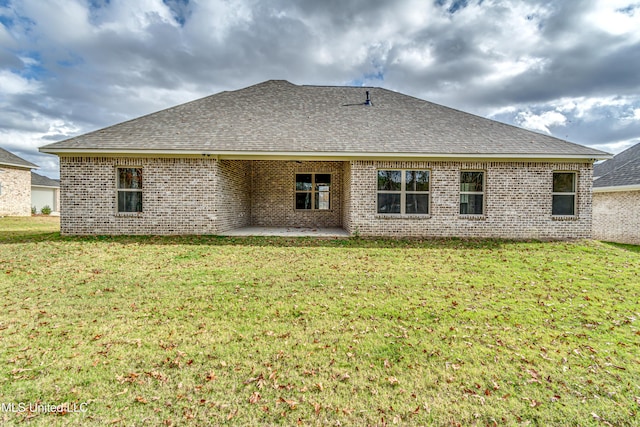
(617,17)
(57,21)
(12,84)
(618,146)
(541,122)
(123,16)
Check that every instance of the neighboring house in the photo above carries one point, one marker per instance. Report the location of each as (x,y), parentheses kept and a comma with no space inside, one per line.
(616,198)
(15,185)
(44,192)
(277,154)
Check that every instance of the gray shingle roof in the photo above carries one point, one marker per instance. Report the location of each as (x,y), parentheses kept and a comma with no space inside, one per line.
(43,181)
(623,169)
(279,117)
(10,159)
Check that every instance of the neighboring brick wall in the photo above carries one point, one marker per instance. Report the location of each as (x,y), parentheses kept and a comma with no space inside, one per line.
(615,216)
(517,197)
(273,194)
(15,191)
(178,196)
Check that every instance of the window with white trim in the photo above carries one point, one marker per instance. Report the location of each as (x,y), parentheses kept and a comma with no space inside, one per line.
(564,194)
(403,192)
(129,189)
(313,191)
(471,192)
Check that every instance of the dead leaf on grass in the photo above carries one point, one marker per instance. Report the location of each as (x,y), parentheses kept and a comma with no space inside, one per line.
(292,403)
(255,397)
(232,414)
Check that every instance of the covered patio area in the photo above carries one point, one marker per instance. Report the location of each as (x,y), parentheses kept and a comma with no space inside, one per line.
(323,232)
(280,198)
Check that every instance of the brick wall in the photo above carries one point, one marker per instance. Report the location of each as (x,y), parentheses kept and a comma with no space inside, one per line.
(517,198)
(273,194)
(179,196)
(205,196)
(346,196)
(233,195)
(15,191)
(615,216)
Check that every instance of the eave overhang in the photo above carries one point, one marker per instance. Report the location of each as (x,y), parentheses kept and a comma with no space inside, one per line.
(15,165)
(616,188)
(324,156)
(44,186)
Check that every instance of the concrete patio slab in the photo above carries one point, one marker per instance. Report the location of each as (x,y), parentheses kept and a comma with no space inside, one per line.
(287,232)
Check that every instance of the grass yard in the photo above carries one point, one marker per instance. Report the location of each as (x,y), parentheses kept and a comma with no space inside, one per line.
(254,331)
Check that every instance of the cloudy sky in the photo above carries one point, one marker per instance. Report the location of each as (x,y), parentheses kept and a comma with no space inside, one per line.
(566,68)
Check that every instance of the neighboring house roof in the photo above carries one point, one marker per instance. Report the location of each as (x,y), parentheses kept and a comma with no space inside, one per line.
(43,181)
(278,118)
(10,159)
(620,173)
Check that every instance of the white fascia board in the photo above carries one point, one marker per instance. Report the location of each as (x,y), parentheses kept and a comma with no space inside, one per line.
(616,188)
(288,155)
(19,166)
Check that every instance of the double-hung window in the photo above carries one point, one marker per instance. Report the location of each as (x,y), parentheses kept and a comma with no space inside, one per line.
(313,191)
(471,193)
(564,193)
(404,192)
(129,189)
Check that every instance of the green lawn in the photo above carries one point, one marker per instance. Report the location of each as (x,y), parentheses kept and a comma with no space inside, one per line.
(214,331)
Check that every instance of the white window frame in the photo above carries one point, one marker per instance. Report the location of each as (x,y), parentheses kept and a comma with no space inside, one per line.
(483,193)
(403,192)
(313,191)
(573,193)
(132,190)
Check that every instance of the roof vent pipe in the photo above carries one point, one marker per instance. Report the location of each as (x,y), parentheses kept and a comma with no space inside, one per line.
(368,101)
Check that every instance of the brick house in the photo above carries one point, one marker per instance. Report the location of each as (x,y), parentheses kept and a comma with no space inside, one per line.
(15,185)
(616,198)
(368,160)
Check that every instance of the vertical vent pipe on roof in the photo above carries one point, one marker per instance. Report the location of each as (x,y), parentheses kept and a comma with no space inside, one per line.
(368,101)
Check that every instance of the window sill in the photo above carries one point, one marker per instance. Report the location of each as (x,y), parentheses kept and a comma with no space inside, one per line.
(314,210)
(129,214)
(564,218)
(480,217)
(401,216)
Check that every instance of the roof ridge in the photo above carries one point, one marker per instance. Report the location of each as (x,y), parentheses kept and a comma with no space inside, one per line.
(344,86)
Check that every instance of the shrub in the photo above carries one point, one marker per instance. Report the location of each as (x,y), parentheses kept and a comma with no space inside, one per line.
(33,210)
(46,210)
